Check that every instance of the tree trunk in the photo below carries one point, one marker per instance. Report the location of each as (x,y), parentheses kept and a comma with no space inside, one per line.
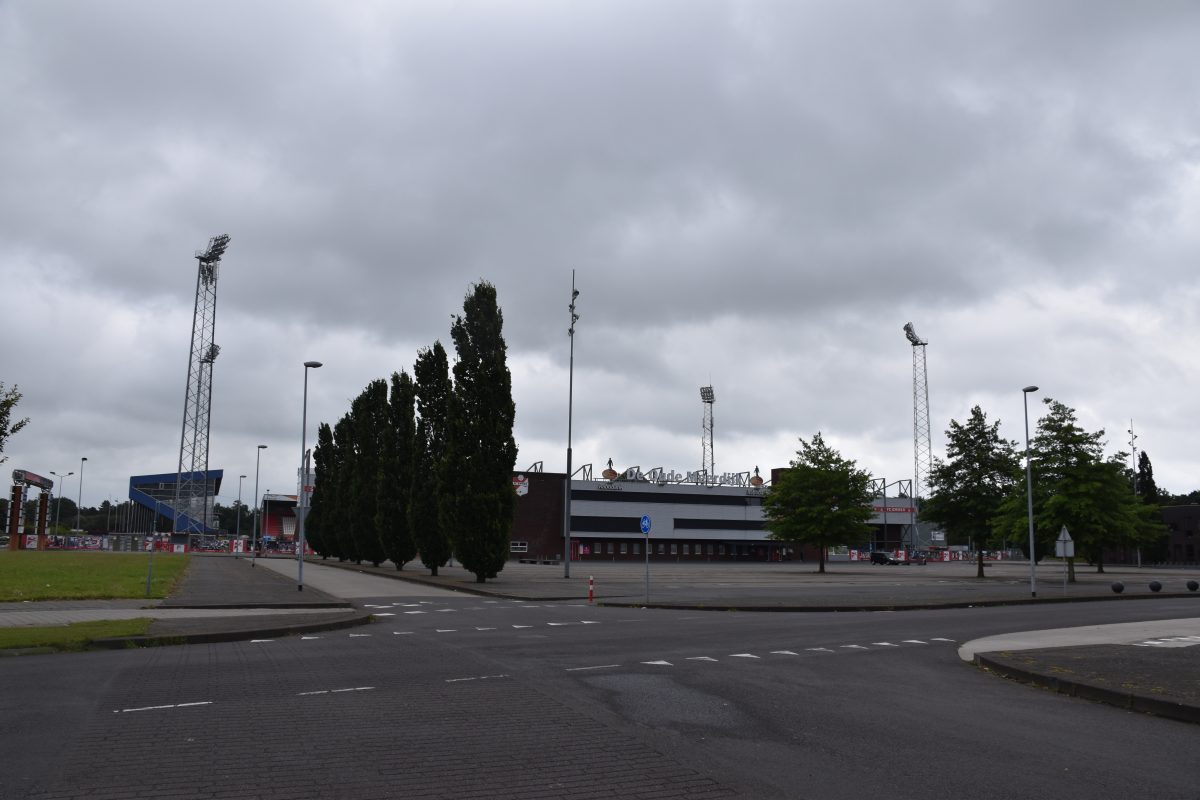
(480,577)
(979,569)
(821,561)
(1100,562)
(433,571)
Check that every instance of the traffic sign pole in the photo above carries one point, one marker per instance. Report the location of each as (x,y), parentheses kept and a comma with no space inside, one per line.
(646,531)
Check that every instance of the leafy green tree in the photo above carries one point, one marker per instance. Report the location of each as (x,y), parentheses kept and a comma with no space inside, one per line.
(480,447)
(822,500)
(1073,486)
(432,388)
(8,401)
(321,514)
(968,488)
(396,473)
(369,422)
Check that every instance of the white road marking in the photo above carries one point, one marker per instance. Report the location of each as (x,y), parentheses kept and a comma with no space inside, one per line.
(1171,641)
(444,610)
(940,639)
(589,622)
(447,630)
(414,612)
(884,644)
(914,641)
(600,666)
(402,633)
(485,629)
(700,658)
(743,655)
(308,694)
(160,708)
(819,649)
(557,624)
(308,638)
(853,647)
(659,663)
(477,678)
(359,635)
(260,641)
(522,626)
(369,605)
(784,653)
(355,689)
(384,614)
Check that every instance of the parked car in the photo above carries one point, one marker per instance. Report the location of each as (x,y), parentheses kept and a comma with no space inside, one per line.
(879,557)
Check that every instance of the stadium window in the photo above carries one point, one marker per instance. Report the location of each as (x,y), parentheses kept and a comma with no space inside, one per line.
(610,548)
(720,549)
(637,548)
(660,549)
(624,548)
(687,549)
(674,549)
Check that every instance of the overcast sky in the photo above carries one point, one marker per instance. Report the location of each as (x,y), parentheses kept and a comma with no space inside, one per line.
(753,195)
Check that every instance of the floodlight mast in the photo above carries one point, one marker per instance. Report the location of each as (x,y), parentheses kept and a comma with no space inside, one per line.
(192,487)
(707,455)
(922,437)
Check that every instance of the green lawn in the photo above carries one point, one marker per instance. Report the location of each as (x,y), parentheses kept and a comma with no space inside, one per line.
(71,637)
(51,575)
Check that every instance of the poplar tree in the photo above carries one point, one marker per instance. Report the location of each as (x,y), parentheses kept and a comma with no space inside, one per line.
(432,389)
(481,450)
(342,483)
(369,422)
(320,513)
(396,474)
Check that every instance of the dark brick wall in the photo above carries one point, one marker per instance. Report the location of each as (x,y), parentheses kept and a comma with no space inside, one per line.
(538,516)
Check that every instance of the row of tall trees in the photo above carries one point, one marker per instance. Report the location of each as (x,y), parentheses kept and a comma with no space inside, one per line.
(423,466)
(978,493)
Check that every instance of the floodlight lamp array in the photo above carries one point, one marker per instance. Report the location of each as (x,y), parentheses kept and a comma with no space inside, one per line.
(706,394)
(911,333)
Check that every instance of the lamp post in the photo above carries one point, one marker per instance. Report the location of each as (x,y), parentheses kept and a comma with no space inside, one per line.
(153,547)
(237,535)
(570,404)
(302,505)
(79,502)
(1029,495)
(58,506)
(254,541)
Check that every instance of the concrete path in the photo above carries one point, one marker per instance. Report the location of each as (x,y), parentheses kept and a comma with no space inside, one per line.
(1127,633)
(349,584)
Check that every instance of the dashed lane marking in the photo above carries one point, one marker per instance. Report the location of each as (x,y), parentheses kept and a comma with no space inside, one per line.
(485,629)
(914,641)
(335,691)
(260,641)
(522,626)
(598,666)
(659,663)
(360,635)
(819,649)
(701,658)
(940,639)
(160,708)
(476,678)
(884,644)
(414,612)
(784,653)
(402,633)
(447,630)
(308,638)
(853,647)
(384,614)
(743,655)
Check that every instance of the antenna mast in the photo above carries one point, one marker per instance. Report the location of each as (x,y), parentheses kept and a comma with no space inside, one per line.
(707,456)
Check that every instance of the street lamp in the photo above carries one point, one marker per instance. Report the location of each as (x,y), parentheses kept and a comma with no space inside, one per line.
(570,404)
(79,502)
(237,536)
(58,506)
(302,505)
(1029,495)
(254,542)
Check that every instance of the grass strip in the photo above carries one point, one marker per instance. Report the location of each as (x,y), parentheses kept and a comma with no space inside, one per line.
(75,636)
(86,575)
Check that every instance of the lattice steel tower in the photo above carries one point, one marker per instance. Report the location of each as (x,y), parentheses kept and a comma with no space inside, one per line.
(707,456)
(192,488)
(922,440)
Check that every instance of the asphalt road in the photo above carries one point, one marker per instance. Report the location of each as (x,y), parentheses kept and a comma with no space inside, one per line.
(470,697)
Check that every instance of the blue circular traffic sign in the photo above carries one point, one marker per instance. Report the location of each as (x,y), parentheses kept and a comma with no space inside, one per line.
(646,523)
